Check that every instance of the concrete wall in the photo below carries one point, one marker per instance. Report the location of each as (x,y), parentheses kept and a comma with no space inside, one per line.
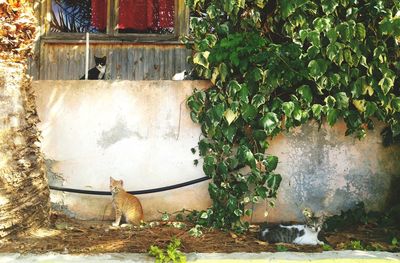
(140,131)
(328,172)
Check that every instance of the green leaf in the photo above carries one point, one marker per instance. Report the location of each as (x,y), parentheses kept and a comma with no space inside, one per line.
(316,110)
(201,58)
(395,129)
(276,104)
(229,133)
(234,58)
(246,156)
(258,100)
(386,84)
(396,104)
(329,6)
(257,74)
(335,80)
(238,212)
(217,112)
(330,101)
(312,52)
(209,165)
(305,93)
(287,108)
(212,12)
(230,116)
(287,8)
(233,88)
(269,122)
(273,181)
(317,68)
(303,35)
(332,116)
(313,37)
(360,31)
(214,75)
(242,3)
(322,24)
(348,57)
(360,105)
(259,135)
(244,94)
(228,6)
(297,113)
(248,112)
(370,109)
(272,162)
(332,51)
(260,3)
(344,31)
(358,87)
(332,35)
(342,101)
(223,71)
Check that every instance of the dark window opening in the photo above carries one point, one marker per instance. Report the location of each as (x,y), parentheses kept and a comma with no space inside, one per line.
(78,16)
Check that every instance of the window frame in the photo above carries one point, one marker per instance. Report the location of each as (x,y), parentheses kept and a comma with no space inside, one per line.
(181,25)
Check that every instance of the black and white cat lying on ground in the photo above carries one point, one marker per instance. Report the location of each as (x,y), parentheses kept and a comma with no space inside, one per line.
(99,70)
(306,234)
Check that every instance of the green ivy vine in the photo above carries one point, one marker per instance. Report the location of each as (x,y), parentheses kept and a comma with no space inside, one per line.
(274,65)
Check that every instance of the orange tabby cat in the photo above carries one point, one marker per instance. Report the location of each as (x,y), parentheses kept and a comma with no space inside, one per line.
(125,204)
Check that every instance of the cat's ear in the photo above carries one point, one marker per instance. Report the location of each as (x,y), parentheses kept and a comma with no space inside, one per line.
(323,217)
(111,179)
(122,182)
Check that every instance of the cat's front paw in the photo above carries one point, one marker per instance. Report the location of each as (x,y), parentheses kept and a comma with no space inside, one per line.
(115,224)
(321,243)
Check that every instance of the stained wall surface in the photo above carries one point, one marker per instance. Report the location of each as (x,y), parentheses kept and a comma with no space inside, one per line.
(141,132)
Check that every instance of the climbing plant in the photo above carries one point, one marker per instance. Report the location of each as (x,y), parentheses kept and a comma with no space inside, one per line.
(274,65)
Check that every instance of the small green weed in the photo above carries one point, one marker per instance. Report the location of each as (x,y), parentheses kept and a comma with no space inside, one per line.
(395,242)
(196,231)
(355,245)
(326,247)
(281,248)
(171,254)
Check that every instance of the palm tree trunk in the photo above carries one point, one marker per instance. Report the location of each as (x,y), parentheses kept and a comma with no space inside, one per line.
(24,192)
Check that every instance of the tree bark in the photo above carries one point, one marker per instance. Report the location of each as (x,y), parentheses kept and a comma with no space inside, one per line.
(24,192)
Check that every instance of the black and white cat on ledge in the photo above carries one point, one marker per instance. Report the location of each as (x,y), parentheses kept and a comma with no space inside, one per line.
(99,70)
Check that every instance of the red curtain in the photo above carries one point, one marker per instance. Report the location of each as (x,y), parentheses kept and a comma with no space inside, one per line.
(136,15)
(142,15)
(99,14)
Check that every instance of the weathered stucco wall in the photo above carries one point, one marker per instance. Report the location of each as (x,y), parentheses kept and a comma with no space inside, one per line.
(327,171)
(140,131)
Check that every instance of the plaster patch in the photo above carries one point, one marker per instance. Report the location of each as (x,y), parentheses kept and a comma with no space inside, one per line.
(53,177)
(119,132)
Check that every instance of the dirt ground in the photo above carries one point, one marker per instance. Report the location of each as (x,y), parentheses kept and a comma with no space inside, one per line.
(73,236)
